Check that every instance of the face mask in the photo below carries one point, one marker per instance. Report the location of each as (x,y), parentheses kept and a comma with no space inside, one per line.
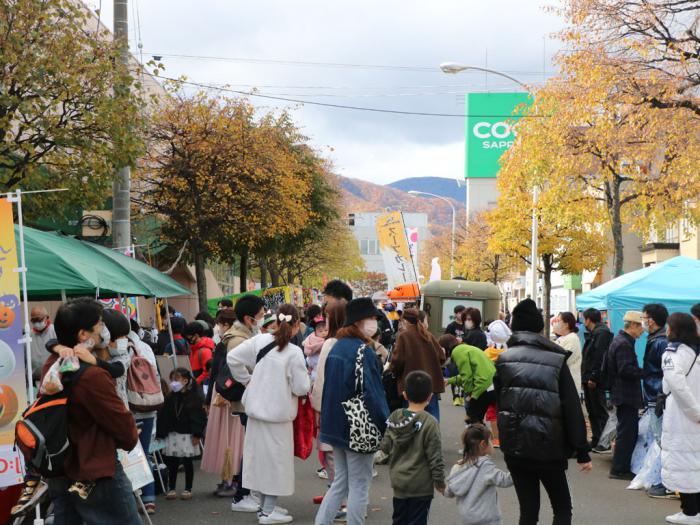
(105,336)
(122,346)
(176,386)
(369,327)
(39,327)
(141,333)
(557,328)
(469,325)
(217,330)
(89,344)
(645,325)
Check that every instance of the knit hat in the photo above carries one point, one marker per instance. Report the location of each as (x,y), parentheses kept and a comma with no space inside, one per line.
(499,333)
(527,317)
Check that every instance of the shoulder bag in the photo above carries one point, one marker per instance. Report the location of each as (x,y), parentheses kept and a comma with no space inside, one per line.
(365,436)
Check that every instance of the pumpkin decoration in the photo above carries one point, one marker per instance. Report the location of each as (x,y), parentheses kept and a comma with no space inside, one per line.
(7,360)
(7,316)
(8,405)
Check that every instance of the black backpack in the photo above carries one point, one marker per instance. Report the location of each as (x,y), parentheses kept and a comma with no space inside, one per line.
(226,386)
(42,433)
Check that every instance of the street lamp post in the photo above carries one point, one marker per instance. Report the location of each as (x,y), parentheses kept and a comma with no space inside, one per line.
(454,212)
(452,68)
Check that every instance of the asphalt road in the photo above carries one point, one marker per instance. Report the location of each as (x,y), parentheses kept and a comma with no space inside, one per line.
(597,499)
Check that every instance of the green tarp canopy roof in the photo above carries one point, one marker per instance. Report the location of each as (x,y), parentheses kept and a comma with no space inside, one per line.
(59,264)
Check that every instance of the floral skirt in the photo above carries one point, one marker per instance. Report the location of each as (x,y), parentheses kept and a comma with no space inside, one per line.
(180,446)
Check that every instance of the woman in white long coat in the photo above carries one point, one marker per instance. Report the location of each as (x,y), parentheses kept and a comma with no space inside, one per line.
(274,381)
(680,438)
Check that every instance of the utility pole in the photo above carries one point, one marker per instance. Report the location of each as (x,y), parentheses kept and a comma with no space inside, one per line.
(121,188)
(533,243)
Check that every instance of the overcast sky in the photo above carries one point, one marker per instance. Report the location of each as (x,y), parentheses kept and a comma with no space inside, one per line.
(372,146)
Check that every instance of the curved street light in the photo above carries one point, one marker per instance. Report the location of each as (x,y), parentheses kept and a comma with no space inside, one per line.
(452,254)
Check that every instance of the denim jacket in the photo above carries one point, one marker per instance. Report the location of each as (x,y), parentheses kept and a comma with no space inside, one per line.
(339,386)
(653,374)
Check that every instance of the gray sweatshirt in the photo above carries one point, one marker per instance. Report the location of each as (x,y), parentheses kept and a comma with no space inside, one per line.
(474,486)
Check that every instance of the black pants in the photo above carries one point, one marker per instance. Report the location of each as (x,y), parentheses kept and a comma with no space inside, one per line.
(173,465)
(597,411)
(411,511)
(627,431)
(240,491)
(527,487)
(476,409)
(690,504)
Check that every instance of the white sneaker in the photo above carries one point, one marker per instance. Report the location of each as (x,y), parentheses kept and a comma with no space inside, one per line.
(275,517)
(247,504)
(684,519)
(280,510)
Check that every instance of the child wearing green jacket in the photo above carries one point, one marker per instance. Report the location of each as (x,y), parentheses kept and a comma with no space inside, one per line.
(475,376)
(412,441)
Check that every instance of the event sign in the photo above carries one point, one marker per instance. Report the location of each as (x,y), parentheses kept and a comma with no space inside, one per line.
(136,467)
(13,382)
(491,119)
(395,250)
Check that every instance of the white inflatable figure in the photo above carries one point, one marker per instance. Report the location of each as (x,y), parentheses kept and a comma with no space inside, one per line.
(7,360)
(435,271)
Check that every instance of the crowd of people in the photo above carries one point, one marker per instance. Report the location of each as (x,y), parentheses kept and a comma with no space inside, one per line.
(373,378)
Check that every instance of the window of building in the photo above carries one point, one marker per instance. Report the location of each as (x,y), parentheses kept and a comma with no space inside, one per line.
(369,247)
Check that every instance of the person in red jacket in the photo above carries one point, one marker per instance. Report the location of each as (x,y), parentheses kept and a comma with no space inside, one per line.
(201,351)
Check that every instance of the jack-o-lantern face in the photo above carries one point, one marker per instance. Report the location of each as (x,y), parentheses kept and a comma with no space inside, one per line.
(7,360)
(7,317)
(8,405)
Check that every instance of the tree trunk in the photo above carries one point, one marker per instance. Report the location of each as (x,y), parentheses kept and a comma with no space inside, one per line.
(263,272)
(615,212)
(274,274)
(496,262)
(290,276)
(547,292)
(200,275)
(244,271)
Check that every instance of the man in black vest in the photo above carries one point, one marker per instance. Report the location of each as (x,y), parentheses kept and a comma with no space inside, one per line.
(623,379)
(540,419)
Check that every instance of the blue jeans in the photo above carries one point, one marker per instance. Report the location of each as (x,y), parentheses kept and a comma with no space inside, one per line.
(148,493)
(111,502)
(353,477)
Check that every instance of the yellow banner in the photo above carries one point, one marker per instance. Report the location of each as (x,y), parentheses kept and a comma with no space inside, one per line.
(13,384)
(393,245)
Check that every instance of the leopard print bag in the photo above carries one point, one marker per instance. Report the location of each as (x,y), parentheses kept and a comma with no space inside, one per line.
(365,436)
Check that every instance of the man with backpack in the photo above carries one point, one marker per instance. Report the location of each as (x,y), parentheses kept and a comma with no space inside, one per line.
(98,423)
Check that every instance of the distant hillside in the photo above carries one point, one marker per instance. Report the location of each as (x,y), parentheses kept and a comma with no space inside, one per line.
(437,185)
(361,196)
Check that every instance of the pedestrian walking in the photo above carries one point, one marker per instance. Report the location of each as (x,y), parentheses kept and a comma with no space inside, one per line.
(412,442)
(336,291)
(475,377)
(597,341)
(680,439)
(181,423)
(623,375)
(567,337)
(499,333)
(353,470)
(473,334)
(539,416)
(275,375)
(42,332)
(456,327)
(474,479)
(417,349)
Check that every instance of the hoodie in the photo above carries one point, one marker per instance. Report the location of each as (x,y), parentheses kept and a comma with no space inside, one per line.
(474,486)
(412,441)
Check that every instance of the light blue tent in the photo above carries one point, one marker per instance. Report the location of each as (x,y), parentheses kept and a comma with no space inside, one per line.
(674,283)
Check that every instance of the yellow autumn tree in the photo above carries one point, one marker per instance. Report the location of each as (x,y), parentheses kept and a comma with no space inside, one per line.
(222,179)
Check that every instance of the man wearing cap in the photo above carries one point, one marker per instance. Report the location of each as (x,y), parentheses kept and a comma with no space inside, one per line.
(623,374)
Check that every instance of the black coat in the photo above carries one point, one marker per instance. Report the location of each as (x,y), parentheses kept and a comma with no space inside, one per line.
(475,337)
(595,347)
(183,412)
(622,372)
(539,410)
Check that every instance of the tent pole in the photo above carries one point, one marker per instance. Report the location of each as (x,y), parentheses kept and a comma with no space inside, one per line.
(25,299)
(63,296)
(170,333)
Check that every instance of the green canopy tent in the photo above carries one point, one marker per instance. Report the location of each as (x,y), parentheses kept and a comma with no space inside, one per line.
(58,265)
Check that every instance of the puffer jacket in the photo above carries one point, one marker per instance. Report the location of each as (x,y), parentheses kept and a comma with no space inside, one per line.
(595,347)
(680,438)
(653,374)
(539,411)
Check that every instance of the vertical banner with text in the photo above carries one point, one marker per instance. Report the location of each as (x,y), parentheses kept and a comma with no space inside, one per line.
(13,384)
(395,250)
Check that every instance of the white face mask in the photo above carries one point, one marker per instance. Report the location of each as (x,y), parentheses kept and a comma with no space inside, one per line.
(645,325)
(39,327)
(105,336)
(469,325)
(176,386)
(369,327)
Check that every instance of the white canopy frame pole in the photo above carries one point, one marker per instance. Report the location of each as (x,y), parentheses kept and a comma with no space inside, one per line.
(170,332)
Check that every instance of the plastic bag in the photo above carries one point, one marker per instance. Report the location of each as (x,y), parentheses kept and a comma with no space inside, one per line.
(644,441)
(609,432)
(649,474)
(69,364)
(51,384)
